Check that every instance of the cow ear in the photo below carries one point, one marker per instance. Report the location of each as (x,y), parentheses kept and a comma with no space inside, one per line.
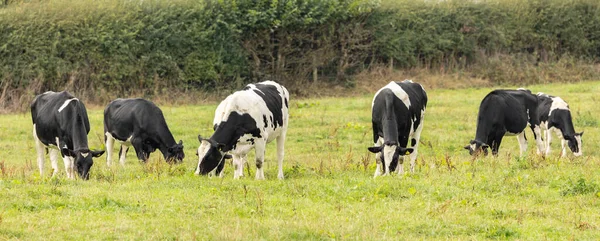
(200,138)
(97,153)
(375,149)
(467,147)
(180,143)
(227,156)
(580,134)
(406,151)
(67,152)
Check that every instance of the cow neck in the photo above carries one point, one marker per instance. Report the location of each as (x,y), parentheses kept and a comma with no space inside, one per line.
(233,127)
(224,134)
(565,122)
(482,132)
(78,132)
(390,123)
(166,140)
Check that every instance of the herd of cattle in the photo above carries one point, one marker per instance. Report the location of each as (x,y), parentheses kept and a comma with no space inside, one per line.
(250,118)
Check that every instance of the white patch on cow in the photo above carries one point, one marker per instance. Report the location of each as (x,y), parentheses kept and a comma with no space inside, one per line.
(243,145)
(473,146)
(398,91)
(202,151)
(388,154)
(85,154)
(64,105)
(558,103)
(544,125)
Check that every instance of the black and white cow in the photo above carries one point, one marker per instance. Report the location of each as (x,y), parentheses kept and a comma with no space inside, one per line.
(554,115)
(397,115)
(141,124)
(249,118)
(60,121)
(506,112)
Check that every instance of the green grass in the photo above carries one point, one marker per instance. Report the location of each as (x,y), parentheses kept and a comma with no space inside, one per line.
(329,192)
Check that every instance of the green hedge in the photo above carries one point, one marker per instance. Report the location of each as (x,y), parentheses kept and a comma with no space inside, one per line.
(151,45)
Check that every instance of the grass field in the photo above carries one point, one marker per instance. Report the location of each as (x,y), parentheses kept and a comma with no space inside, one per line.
(329,191)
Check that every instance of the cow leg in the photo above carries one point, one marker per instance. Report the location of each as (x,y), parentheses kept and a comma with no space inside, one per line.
(378,159)
(537,133)
(138,146)
(39,147)
(238,166)
(259,152)
(109,143)
(400,165)
(522,143)
(69,166)
(123,154)
(563,142)
(496,143)
(415,145)
(280,154)
(54,160)
(548,140)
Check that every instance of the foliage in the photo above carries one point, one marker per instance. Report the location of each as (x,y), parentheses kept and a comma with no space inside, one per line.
(128,47)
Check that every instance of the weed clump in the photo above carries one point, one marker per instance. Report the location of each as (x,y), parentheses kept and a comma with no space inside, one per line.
(581,187)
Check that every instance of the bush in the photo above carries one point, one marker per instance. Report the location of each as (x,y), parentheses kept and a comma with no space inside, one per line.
(125,47)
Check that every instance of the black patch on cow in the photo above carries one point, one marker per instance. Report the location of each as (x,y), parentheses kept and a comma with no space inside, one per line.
(272,99)
(144,122)
(227,134)
(236,125)
(265,121)
(413,142)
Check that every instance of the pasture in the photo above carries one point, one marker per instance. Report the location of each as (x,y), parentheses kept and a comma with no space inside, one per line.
(329,192)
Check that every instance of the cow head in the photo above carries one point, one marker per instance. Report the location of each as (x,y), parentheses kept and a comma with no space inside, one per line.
(210,156)
(83,160)
(574,143)
(175,153)
(390,154)
(476,147)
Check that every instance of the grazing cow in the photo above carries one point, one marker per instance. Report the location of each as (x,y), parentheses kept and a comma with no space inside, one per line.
(554,115)
(506,112)
(141,124)
(60,121)
(249,118)
(397,115)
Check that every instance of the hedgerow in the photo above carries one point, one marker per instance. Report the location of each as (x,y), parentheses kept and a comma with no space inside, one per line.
(150,46)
